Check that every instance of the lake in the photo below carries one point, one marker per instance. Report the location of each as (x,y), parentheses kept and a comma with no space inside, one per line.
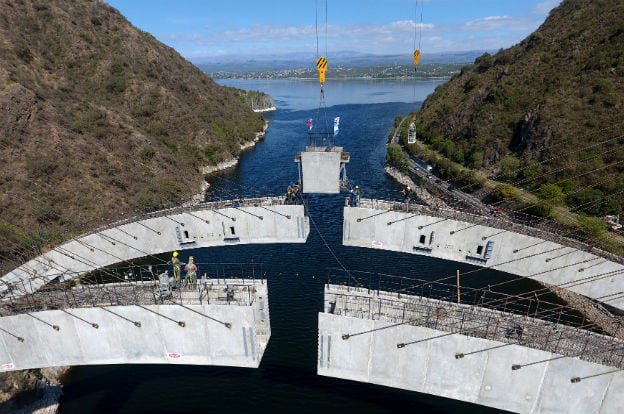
(286,381)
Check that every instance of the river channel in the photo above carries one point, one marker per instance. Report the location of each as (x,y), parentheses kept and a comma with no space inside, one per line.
(286,381)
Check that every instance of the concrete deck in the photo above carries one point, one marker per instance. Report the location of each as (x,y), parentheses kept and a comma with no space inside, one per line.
(492,242)
(437,331)
(261,220)
(133,323)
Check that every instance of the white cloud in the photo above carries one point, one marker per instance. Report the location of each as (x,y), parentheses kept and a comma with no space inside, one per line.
(488,23)
(543,8)
(396,37)
(267,33)
(393,37)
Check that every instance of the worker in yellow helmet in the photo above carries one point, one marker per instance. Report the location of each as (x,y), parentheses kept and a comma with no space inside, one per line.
(191,272)
(177,267)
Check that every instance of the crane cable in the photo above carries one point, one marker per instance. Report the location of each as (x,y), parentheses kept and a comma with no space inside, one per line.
(418,19)
(417,28)
(321,65)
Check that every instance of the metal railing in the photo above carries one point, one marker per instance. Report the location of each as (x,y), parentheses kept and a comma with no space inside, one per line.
(212,205)
(498,222)
(529,305)
(217,283)
(475,321)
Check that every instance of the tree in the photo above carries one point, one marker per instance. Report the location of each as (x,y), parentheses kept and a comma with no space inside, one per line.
(551,193)
(509,167)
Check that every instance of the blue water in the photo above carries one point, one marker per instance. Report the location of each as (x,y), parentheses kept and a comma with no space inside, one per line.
(286,381)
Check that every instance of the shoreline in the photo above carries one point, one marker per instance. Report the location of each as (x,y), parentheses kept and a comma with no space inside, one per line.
(269,109)
(422,194)
(209,169)
(224,165)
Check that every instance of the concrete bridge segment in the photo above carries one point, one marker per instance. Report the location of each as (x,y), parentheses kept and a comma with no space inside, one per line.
(491,242)
(427,362)
(167,333)
(261,220)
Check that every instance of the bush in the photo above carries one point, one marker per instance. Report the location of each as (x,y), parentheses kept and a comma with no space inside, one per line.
(541,209)
(397,120)
(147,153)
(76,126)
(397,157)
(42,166)
(593,226)
(476,160)
(23,52)
(551,193)
(504,192)
(209,152)
(509,167)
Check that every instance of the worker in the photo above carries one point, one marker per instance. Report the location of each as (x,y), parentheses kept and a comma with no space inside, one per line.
(191,271)
(358,194)
(177,267)
(290,193)
(407,192)
(297,192)
(353,196)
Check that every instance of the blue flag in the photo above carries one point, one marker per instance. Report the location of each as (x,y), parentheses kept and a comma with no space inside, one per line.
(336,124)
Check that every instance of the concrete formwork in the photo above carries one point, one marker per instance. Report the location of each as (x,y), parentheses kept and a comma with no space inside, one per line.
(429,365)
(207,225)
(475,242)
(320,169)
(203,340)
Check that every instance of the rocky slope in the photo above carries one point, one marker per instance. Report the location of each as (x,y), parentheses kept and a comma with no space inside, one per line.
(98,119)
(541,101)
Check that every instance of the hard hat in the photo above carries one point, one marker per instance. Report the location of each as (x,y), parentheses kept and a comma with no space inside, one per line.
(408,187)
(175,254)
(357,186)
(292,183)
(190,257)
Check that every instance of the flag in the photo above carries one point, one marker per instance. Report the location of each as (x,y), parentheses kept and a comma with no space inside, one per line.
(309,124)
(336,123)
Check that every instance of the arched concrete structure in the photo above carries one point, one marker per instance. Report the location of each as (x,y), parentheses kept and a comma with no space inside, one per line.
(261,220)
(486,241)
(437,331)
(135,325)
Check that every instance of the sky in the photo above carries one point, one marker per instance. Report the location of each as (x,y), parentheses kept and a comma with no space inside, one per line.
(218,28)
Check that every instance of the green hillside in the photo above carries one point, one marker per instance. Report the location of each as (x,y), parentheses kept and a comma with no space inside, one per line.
(100,121)
(545,114)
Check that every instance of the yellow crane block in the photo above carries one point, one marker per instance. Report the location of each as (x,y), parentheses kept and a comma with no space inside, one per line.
(416,56)
(321,64)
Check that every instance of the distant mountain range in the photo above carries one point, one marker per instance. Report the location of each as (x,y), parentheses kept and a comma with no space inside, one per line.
(234,63)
